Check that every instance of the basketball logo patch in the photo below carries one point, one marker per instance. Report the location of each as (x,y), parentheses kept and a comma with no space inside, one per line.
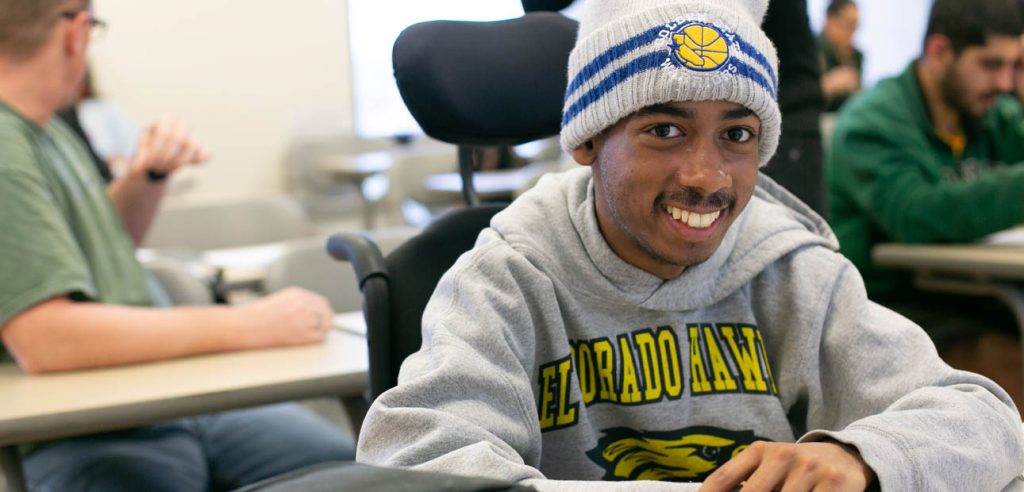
(698,46)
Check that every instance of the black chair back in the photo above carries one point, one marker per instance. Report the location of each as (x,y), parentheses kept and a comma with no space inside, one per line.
(485,83)
(472,84)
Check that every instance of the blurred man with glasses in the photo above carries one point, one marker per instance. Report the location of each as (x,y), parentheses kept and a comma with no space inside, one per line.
(73,296)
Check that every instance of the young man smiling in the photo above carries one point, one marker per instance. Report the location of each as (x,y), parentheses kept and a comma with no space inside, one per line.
(666,313)
(931,156)
(710,182)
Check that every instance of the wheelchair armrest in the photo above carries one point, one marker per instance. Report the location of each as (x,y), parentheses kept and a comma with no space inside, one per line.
(358,249)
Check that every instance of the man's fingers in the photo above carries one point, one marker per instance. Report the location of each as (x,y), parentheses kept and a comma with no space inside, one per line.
(166,145)
(801,480)
(773,470)
(735,471)
(197,154)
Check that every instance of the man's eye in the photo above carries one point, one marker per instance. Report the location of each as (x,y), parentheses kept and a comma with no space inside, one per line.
(665,131)
(739,135)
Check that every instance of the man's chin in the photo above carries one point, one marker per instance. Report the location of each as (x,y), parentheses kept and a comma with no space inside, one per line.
(691,260)
(984,104)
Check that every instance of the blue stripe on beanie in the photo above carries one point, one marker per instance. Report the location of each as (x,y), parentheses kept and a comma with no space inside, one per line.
(646,63)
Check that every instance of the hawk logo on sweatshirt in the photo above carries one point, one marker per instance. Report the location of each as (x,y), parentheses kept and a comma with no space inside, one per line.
(684,455)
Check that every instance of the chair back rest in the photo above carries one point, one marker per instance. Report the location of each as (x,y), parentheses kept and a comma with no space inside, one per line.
(486,83)
(226,224)
(305,264)
(181,286)
(471,84)
(477,84)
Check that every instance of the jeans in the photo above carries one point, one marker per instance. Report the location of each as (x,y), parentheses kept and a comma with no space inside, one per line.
(205,453)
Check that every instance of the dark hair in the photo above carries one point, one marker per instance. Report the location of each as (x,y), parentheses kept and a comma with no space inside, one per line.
(970,22)
(835,6)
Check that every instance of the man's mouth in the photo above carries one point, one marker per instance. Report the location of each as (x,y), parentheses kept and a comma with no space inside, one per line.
(693,219)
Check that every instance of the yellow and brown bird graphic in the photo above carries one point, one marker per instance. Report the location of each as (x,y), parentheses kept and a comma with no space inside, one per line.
(685,455)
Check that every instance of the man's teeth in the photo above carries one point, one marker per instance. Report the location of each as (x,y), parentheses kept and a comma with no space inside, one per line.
(693,219)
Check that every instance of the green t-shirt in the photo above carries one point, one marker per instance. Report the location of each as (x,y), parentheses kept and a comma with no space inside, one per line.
(891,178)
(61,235)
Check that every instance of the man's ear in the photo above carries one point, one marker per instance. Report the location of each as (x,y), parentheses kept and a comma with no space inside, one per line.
(75,34)
(938,49)
(585,154)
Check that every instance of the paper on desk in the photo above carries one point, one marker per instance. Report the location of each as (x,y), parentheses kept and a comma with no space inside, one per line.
(244,257)
(351,322)
(1010,237)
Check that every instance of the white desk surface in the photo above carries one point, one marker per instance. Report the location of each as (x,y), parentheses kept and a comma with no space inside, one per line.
(356,166)
(999,261)
(490,182)
(38,407)
(245,263)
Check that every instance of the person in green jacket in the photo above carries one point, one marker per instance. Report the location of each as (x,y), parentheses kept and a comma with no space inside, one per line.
(929,156)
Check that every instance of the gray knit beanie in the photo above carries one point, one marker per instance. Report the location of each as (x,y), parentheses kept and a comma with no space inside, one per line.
(631,54)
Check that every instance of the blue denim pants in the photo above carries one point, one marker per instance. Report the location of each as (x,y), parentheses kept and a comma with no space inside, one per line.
(207,453)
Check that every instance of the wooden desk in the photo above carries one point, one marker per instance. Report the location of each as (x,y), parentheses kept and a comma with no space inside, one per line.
(49,406)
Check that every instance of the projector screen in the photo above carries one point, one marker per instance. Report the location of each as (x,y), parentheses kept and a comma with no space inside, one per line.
(373,28)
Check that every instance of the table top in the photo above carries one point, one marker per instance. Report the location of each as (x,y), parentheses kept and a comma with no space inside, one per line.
(38,407)
(486,183)
(1000,261)
(357,165)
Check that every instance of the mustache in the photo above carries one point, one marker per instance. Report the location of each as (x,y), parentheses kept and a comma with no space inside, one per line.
(694,198)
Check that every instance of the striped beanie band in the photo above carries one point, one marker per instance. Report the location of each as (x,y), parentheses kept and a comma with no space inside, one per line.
(631,54)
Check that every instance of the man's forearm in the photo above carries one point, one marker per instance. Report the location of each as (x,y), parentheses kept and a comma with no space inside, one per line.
(59,335)
(136,199)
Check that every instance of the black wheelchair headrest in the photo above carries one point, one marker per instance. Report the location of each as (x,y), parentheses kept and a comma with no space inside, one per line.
(486,83)
(552,5)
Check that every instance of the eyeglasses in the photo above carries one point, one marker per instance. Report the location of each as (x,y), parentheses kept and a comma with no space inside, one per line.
(99,26)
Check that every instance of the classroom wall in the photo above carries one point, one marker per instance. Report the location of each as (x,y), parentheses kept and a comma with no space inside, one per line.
(249,75)
(245,75)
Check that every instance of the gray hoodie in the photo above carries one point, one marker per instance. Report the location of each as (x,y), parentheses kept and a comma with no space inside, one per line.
(548,359)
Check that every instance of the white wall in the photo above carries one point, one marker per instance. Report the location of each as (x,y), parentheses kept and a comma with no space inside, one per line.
(242,74)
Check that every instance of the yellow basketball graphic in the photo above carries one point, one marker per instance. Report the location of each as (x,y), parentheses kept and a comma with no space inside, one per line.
(700,47)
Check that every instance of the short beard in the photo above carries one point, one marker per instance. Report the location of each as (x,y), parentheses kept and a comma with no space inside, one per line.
(952,90)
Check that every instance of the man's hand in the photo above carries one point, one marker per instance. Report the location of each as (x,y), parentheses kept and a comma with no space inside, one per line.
(840,80)
(813,466)
(165,146)
(292,316)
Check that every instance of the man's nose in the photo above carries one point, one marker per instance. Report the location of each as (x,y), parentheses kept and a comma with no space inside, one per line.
(1005,78)
(702,167)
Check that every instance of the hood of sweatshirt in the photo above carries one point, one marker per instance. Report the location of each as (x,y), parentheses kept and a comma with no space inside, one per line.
(555,227)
